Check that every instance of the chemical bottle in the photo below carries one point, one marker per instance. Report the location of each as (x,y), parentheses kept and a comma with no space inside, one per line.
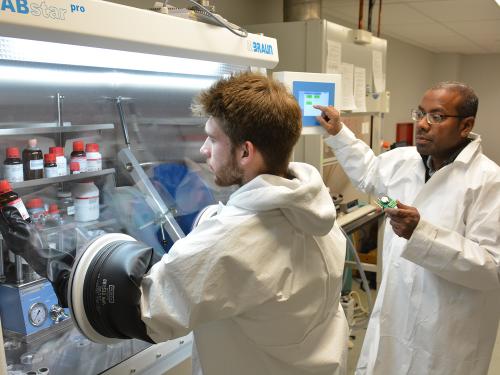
(94,158)
(32,161)
(86,198)
(13,166)
(50,166)
(53,216)
(11,198)
(74,167)
(36,210)
(62,167)
(79,156)
(66,205)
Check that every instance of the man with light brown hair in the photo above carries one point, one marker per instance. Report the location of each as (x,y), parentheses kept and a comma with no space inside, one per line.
(259,283)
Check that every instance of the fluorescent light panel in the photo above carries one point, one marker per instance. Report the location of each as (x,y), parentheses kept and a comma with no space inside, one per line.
(43,76)
(57,53)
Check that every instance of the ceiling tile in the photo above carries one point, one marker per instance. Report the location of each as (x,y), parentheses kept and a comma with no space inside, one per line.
(418,31)
(458,10)
(397,14)
(461,26)
(474,28)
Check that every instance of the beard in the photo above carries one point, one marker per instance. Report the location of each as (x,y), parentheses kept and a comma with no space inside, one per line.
(229,174)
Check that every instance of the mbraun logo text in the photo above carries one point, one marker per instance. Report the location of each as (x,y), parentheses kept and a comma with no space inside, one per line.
(38,9)
(258,47)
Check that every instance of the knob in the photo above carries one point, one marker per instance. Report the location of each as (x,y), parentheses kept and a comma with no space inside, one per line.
(57,313)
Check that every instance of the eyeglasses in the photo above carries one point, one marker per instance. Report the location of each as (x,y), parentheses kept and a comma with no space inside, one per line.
(431,117)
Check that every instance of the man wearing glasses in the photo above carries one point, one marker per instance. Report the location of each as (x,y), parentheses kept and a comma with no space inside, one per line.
(438,305)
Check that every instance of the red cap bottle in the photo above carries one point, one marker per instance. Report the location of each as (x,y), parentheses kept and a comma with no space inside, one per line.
(49,159)
(13,166)
(77,146)
(91,147)
(35,203)
(53,209)
(57,150)
(11,198)
(74,167)
(5,186)
(79,156)
(13,153)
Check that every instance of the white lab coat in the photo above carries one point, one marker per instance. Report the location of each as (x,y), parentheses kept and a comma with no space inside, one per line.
(259,283)
(438,304)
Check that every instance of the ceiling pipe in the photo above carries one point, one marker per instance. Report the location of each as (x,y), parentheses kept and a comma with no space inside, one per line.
(379,16)
(360,17)
(371,4)
(303,10)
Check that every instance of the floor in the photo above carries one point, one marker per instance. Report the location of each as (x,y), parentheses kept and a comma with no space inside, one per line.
(358,333)
(495,359)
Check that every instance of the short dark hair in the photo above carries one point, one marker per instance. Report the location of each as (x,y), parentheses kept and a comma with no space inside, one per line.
(255,108)
(469,103)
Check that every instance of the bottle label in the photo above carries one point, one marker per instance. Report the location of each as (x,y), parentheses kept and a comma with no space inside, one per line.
(18,203)
(62,169)
(87,208)
(13,173)
(36,164)
(94,161)
(82,161)
(70,210)
(94,165)
(50,172)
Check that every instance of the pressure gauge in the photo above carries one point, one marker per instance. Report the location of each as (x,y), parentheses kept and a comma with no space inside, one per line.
(37,314)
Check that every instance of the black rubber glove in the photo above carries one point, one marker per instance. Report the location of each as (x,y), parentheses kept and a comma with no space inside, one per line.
(23,239)
(111,291)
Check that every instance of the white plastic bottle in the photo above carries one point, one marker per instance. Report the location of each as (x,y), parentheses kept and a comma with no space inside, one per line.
(94,157)
(62,163)
(86,199)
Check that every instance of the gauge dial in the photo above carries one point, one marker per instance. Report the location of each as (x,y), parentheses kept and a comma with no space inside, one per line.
(37,314)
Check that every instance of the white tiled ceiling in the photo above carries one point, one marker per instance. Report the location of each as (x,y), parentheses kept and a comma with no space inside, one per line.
(453,26)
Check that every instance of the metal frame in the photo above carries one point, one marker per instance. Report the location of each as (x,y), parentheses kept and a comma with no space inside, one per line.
(164,214)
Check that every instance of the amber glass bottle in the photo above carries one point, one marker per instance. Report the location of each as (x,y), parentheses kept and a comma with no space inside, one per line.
(11,198)
(32,161)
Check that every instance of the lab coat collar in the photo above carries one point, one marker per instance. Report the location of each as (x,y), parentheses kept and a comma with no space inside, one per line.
(470,150)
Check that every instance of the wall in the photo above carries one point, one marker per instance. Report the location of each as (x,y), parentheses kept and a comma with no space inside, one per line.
(240,12)
(409,74)
(482,72)
(244,12)
(410,70)
(446,67)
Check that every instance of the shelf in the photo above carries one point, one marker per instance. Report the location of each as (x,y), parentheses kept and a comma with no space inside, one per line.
(46,128)
(78,224)
(53,180)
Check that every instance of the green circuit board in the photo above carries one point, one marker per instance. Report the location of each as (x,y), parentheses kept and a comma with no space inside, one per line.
(386,202)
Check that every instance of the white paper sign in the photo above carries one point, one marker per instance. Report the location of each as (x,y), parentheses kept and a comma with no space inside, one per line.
(360,89)
(333,56)
(347,71)
(378,74)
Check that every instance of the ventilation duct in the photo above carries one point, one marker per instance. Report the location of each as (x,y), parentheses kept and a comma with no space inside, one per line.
(301,10)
